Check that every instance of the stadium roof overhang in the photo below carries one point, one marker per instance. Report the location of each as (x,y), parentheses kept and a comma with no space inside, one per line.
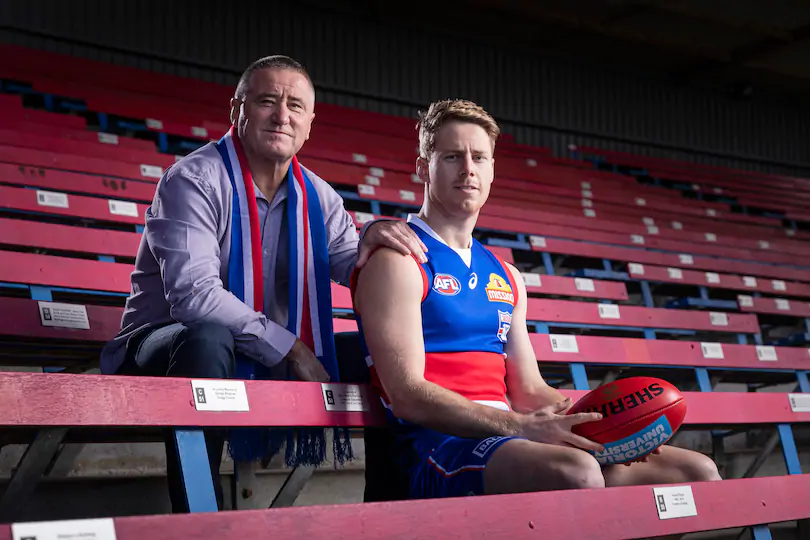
(746,45)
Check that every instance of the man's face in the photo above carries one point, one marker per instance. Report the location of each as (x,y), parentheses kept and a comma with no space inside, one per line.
(460,170)
(274,118)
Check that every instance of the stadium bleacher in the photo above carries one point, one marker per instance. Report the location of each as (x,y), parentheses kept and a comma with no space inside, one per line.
(129,402)
(625,275)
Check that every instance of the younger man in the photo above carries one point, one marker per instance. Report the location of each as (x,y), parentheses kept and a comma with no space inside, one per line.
(450,352)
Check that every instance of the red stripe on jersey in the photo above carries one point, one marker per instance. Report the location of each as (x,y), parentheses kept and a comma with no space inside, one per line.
(478,376)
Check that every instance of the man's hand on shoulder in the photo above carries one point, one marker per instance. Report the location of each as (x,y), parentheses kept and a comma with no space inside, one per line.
(393,234)
(305,364)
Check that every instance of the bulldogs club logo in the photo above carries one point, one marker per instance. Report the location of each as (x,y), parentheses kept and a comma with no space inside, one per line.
(504,324)
(499,290)
(446,284)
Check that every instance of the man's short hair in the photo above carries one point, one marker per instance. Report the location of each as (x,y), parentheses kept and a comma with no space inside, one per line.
(439,112)
(276,61)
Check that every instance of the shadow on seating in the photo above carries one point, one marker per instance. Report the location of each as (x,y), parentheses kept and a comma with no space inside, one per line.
(385,479)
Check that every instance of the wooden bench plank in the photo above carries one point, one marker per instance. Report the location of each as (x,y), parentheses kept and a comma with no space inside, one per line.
(82,148)
(676,260)
(49,270)
(697,171)
(551,515)
(70,162)
(578,287)
(20,114)
(717,281)
(64,181)
(78,206)
(773,306)
(37,234)
(76,401)
(19,317)
(121,78)
(110,140)
(495,217)
(150,402)
(566,311)
(639,352)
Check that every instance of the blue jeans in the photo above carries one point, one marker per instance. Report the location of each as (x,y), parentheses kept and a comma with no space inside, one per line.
(203,351)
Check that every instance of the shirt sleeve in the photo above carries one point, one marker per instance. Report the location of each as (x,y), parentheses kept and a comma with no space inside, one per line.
(342,236)
(181,231)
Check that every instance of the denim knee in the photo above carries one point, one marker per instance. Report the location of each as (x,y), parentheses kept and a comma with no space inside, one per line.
(203,350)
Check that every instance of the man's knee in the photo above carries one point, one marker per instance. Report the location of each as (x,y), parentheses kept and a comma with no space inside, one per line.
(203,350)
(579,470)
(520,466)
(700,468)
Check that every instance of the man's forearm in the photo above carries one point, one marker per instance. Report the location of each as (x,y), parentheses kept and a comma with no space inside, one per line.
(542,396)
(437,408)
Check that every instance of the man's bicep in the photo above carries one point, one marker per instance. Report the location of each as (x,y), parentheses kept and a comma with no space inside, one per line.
(343,240)
(343,250)
(181,230)
(388,298)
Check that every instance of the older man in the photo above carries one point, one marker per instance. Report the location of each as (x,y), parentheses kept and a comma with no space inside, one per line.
(233,272)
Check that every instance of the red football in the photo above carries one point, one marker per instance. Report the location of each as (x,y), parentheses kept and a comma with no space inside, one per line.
(639,414)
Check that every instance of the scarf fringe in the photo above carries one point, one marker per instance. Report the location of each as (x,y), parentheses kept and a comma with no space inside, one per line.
(302,446)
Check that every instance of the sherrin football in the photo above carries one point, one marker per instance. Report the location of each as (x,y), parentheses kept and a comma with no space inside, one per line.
(639,414)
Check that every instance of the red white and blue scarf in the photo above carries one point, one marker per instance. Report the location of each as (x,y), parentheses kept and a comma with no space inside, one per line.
(309,301)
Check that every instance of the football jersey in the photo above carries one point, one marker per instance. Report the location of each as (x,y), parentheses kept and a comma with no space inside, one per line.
(466,316)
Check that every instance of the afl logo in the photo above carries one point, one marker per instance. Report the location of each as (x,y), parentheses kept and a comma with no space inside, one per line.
(446,284)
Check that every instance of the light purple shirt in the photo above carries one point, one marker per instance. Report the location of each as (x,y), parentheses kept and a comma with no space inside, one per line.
(182,261)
